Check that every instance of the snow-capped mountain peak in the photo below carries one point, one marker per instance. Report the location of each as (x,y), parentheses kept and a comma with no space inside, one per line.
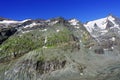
(102,23)
(110,17)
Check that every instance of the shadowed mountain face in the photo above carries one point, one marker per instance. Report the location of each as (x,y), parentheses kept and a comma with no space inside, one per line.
(60,49)
(5,33)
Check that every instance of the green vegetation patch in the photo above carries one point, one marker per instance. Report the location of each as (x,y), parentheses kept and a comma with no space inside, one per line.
(17,45)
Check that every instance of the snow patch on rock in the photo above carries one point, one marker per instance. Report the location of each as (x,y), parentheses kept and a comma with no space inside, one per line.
(74,22)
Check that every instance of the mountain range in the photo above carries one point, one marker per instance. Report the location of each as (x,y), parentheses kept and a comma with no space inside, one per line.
(60,49)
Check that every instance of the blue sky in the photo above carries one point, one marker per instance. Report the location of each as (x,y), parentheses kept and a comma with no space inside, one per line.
(83,10)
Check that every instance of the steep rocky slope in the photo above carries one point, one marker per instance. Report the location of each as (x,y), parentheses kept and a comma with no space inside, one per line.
(59,49)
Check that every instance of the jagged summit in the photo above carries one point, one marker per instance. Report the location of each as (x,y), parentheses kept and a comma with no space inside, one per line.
(103,23)
(74,21)
(112,15)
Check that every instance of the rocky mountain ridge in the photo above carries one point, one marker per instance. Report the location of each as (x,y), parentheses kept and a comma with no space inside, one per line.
(60,49)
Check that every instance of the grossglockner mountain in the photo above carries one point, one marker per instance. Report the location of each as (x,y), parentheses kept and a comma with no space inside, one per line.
(60,49)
